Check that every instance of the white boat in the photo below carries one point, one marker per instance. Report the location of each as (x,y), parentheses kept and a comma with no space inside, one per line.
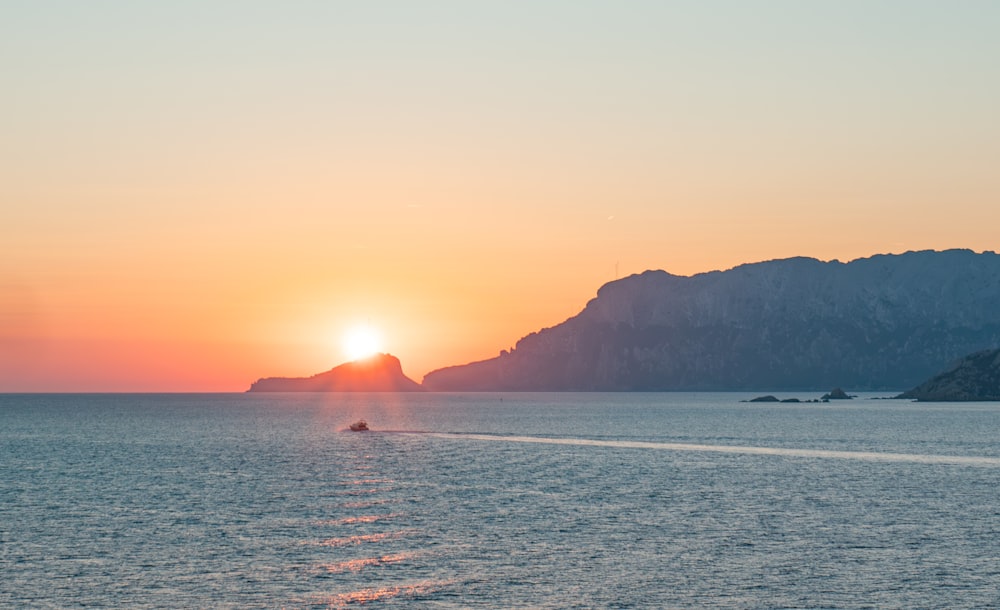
(359,426)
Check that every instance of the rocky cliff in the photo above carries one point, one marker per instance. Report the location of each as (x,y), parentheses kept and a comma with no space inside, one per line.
(378,373)
(884,322)
(975,377)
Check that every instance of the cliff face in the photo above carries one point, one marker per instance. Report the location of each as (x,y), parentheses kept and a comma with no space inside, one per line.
(883,322)
(379,373)
(975,377)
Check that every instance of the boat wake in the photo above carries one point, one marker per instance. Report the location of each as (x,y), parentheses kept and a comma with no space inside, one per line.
(914,458)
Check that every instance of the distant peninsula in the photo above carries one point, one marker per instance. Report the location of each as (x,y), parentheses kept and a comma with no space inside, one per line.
(377,373)
(973,378)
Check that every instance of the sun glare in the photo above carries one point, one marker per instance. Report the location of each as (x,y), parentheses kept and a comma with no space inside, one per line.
(361,342)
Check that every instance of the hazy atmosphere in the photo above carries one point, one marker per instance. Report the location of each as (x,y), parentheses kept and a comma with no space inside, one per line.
(195,195)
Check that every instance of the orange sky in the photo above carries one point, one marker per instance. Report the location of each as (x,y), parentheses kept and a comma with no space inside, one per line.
(194,197)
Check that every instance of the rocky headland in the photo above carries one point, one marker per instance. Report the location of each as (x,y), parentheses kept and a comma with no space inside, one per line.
(973,378)
(378,373)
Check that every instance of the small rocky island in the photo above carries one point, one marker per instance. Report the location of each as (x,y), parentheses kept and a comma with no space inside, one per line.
(378,373)
(836,394)
(974,378)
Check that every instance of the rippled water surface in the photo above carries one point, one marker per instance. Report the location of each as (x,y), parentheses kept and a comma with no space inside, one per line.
(482,500)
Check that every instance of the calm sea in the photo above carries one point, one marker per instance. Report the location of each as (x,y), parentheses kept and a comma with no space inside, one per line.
(496,501)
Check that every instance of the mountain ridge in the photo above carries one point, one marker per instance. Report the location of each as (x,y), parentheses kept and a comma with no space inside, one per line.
(883,322)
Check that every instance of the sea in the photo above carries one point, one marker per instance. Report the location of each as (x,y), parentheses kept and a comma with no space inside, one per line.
(497,500)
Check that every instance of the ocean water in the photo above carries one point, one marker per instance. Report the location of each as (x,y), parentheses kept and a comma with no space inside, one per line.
(496,501)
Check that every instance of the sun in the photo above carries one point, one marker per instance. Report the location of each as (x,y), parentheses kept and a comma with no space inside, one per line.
(361,341)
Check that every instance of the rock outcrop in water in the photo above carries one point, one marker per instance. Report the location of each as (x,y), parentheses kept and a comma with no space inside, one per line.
(879,323)
(836,394)
(973,378)
(378,373)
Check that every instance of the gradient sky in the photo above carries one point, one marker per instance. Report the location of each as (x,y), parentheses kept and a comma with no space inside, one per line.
(195,194)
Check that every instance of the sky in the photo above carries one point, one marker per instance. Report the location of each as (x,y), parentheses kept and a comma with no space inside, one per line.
(196,194)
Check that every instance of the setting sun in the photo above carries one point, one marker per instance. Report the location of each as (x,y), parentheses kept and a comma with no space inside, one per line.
(361,341)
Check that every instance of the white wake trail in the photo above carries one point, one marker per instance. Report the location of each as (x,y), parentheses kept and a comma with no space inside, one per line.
(915,458)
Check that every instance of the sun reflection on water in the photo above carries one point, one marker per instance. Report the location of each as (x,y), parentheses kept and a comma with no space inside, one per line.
(364,596)
(360,539)
(356,565)
(360,519)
